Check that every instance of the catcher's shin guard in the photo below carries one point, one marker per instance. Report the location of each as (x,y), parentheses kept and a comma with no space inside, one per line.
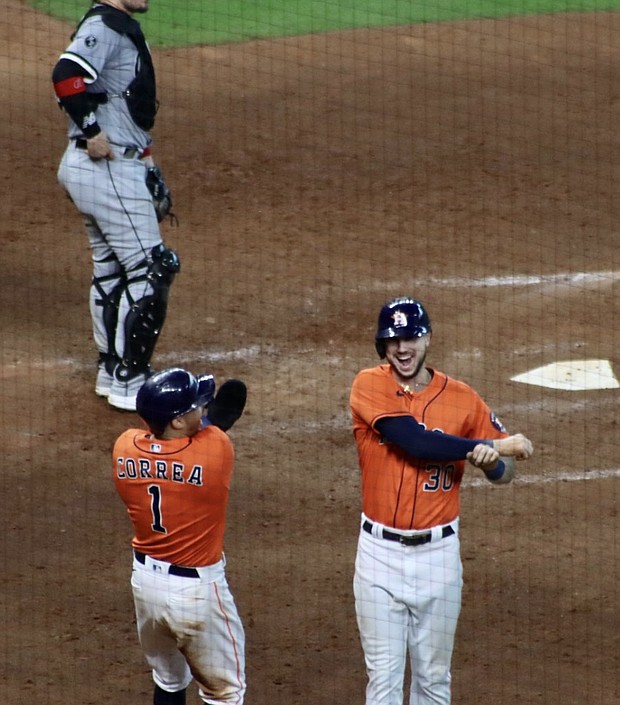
(105,295)
(147,311)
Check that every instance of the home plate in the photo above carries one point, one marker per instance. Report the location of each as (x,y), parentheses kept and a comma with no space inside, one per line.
(573,375)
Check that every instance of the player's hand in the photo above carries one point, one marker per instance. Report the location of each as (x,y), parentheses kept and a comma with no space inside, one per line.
(98,147)
(517,446)
(483,457)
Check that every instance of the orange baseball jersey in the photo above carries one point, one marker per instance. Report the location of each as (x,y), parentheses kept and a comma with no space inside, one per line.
(400,491)
(176,493)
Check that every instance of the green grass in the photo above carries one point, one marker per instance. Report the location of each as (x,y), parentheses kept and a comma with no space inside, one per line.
(187,22)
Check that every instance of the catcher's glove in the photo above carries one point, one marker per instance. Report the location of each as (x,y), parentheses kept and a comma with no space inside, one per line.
(162,198)
(228,404)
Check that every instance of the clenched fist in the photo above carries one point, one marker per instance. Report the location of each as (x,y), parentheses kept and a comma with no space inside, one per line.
(517,446)
(483,456)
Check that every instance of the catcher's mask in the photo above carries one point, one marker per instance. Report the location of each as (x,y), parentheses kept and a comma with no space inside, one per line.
(172,393)
(401,318)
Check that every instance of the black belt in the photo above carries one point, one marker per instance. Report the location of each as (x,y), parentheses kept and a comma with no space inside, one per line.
(416,540)
(129,153)
(172,569)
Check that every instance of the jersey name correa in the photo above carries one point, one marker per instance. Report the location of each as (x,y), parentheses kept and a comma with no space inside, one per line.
(176,492)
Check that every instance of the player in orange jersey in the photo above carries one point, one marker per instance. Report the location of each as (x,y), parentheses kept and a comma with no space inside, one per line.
(414,427)
(174,480)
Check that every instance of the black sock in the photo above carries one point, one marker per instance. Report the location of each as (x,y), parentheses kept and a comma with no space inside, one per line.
(163,697)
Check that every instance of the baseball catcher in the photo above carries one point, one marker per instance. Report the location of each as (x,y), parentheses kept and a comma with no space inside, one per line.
(105,82)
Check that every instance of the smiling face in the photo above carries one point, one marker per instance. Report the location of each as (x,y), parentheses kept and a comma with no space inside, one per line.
(406,356)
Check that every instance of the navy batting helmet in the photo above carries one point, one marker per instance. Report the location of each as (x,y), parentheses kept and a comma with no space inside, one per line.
(172,393)
(401,318)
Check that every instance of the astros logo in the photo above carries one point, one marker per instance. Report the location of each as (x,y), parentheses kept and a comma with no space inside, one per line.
(400,319)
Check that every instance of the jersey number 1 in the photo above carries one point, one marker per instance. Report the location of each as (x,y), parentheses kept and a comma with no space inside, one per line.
(157,525)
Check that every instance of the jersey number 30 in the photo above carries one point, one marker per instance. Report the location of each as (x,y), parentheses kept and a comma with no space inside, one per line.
(440,477)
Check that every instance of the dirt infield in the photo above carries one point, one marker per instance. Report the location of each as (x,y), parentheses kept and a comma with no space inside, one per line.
(472,164)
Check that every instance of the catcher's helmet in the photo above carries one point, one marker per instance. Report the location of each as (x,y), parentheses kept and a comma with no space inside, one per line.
(172,393)
(401,318)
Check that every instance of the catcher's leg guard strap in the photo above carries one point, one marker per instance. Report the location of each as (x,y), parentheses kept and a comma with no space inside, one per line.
(146,296)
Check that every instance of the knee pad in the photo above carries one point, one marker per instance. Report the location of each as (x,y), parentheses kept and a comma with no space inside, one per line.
(164,265)
(146,316)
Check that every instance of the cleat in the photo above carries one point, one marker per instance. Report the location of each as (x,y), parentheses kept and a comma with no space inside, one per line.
(125,388)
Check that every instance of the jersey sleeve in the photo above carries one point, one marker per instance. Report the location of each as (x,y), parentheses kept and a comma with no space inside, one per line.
(481,421)
(76,73)
(69,81)
(92,47)
(417,442)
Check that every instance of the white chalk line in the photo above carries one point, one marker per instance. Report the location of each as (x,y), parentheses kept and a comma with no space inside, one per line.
(562,476)
(533,481)
(566,279)
(250,352)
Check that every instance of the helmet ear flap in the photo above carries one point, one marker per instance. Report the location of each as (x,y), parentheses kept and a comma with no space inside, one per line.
(380,347)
